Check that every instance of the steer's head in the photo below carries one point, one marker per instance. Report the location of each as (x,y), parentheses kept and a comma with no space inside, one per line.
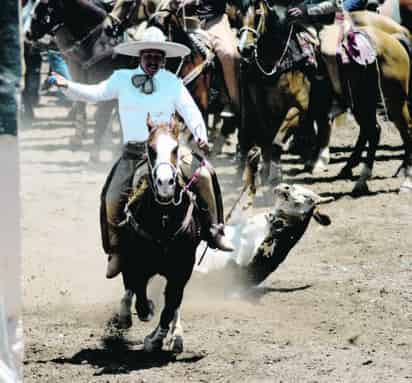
(295,202)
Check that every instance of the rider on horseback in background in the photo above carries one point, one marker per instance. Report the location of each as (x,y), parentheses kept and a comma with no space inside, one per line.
(214,20)
(150,89)
(327,17)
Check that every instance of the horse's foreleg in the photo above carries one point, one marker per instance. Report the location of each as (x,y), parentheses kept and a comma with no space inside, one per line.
(173,299)
(125,312)
(323,138)
(370,132)
(176,339)
(144,306)
(273,161)
(80,123)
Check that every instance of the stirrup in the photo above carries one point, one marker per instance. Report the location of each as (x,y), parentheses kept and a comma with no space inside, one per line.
(113,266)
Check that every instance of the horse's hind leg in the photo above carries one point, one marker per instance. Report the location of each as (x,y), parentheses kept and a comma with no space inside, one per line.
(403,123)
(355,157)
(368,124)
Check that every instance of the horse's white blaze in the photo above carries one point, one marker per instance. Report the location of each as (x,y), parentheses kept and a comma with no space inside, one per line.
(165,170)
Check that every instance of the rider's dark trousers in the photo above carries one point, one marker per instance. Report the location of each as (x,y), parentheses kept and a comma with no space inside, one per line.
(115,194)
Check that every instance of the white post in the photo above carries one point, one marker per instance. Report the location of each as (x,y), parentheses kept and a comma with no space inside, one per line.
(11,343)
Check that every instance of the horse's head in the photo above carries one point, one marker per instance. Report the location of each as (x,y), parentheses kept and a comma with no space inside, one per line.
(265,24)
(253,24)
(179,30)
(163,146)
(47,15)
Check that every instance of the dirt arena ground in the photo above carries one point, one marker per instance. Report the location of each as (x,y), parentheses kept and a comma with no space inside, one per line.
(338,310)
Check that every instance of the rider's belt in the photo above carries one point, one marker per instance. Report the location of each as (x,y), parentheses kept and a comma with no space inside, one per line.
(134,150)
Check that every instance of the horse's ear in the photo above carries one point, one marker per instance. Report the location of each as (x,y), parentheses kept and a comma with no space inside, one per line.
(149,122)
(174,126)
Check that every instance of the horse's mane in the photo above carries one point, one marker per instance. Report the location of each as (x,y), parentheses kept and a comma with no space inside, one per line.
(172,24)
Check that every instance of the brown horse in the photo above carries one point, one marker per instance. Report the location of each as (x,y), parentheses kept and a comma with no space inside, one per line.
(398,10)
(161,235)
(391,73)
(282,99)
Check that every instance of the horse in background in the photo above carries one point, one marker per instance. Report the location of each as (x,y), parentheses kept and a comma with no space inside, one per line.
(363,85)
(277,100)
(76,34)
(200,71)
(160,236)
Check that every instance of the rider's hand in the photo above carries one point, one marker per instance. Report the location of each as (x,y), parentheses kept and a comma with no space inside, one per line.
(110,27)
(203,145)
(296,12)
(176,4)
(58,80)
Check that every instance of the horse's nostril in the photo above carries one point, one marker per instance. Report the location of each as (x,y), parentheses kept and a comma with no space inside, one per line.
(171,182)
(159,182)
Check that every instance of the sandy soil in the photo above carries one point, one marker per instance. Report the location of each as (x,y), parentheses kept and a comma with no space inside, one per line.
(338,310)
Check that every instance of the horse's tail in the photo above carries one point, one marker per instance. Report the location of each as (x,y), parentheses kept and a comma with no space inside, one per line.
(407,44)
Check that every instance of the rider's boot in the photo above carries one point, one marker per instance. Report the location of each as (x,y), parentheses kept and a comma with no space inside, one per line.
(211,207)
(218,239)
(113,265)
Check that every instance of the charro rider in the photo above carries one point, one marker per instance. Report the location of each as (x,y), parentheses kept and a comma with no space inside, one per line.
(213,18)
(147,89)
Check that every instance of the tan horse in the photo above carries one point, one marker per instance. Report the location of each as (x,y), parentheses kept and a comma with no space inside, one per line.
(393,74)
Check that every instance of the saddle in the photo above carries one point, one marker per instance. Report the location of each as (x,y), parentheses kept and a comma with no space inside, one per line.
(357,47)
(354,45)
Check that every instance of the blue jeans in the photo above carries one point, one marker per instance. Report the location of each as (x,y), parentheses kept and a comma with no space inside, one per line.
(354,5)
(57,64)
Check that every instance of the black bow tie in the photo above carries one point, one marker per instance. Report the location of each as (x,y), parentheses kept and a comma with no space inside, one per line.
(144,82)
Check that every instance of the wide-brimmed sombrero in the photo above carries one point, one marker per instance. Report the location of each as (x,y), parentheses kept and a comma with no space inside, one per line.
(152,38)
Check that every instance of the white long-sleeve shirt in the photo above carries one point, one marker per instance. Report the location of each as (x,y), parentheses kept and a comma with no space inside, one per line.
(170,95)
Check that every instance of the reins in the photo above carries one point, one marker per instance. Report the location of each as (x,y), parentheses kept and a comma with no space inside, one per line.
(278,62)
(185,190)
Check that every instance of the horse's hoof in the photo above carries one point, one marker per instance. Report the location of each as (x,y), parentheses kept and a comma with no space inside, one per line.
(176,344)
(406,187)
(146,316)
(151,346)
(124,322)
(308,167)
(345,173)
(360,190)
(320,166)
(154,341)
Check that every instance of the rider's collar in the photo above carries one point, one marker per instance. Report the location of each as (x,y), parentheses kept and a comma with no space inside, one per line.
(143,81)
